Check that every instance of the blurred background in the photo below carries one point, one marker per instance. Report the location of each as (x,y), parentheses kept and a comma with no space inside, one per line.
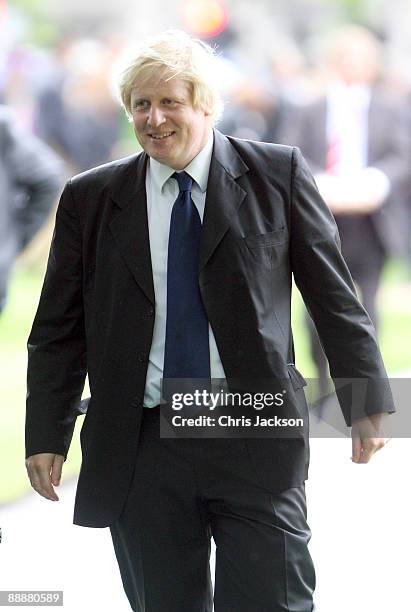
(330,76)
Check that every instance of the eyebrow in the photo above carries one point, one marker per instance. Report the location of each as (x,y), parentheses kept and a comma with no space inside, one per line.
(140,99)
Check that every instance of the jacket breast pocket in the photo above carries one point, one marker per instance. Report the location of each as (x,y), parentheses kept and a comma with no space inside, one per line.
(269,250)
(275,237)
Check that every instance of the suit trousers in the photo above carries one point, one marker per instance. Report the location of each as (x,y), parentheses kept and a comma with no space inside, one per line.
(185,491)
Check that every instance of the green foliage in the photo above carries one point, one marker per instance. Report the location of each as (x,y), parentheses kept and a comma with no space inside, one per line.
(355,11)
(42,31)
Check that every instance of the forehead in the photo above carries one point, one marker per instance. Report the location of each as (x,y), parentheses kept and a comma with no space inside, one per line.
(154,85)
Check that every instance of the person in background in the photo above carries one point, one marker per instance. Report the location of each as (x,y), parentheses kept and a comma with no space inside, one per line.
(31,176)
(253,111)
(76,111)
(356,139)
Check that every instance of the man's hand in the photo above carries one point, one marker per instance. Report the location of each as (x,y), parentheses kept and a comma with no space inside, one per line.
(44,471)
(368,436)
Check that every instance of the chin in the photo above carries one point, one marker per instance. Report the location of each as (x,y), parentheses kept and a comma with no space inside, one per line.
(163,160)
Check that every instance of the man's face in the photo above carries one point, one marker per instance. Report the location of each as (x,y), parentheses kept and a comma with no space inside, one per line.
(356,62)
(166,124)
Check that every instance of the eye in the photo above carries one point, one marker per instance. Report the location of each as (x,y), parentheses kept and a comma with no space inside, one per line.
(141,104)
(169,102)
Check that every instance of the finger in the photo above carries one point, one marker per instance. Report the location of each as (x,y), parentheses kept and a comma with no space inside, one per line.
(366,453)
(370,447)
(356,449)
(56,469)
(39,474)
(42,484)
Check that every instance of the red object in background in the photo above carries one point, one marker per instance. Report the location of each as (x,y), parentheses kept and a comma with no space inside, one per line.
(205,18)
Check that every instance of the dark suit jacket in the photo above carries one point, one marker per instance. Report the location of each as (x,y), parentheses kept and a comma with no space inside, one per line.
(30,179)
(264,220)
(388,149)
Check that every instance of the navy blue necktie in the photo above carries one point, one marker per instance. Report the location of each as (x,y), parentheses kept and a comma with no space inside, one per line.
(187,353)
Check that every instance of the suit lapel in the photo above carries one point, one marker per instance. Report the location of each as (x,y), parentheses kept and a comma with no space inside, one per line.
(129,226)
(224,195)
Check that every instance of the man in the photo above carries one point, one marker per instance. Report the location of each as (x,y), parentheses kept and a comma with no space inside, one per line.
(30,179)
(356,138)
(110,306)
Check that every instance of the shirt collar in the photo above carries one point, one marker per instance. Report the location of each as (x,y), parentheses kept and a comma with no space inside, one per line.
(339,94)
(198,168)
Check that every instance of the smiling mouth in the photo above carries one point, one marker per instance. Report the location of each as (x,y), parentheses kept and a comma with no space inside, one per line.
(161,136)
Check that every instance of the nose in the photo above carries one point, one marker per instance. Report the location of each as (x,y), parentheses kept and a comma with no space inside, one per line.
(155,116)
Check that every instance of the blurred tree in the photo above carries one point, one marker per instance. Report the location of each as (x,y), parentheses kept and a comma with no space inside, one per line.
(40,29)
(355,11)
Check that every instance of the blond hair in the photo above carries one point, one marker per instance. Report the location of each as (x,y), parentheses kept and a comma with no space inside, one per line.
(178,55)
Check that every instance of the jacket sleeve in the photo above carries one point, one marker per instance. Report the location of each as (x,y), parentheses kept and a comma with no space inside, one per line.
(344,327)
(57,363)
(37,175)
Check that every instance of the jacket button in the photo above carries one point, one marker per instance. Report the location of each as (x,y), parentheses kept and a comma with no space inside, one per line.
(150,311)
(142,357)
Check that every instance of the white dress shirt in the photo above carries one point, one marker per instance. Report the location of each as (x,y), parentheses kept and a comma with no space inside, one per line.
(350,185)
(347,120)
(162,191)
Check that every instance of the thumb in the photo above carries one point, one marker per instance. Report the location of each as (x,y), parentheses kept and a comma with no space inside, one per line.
(356,448)
(56,469)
